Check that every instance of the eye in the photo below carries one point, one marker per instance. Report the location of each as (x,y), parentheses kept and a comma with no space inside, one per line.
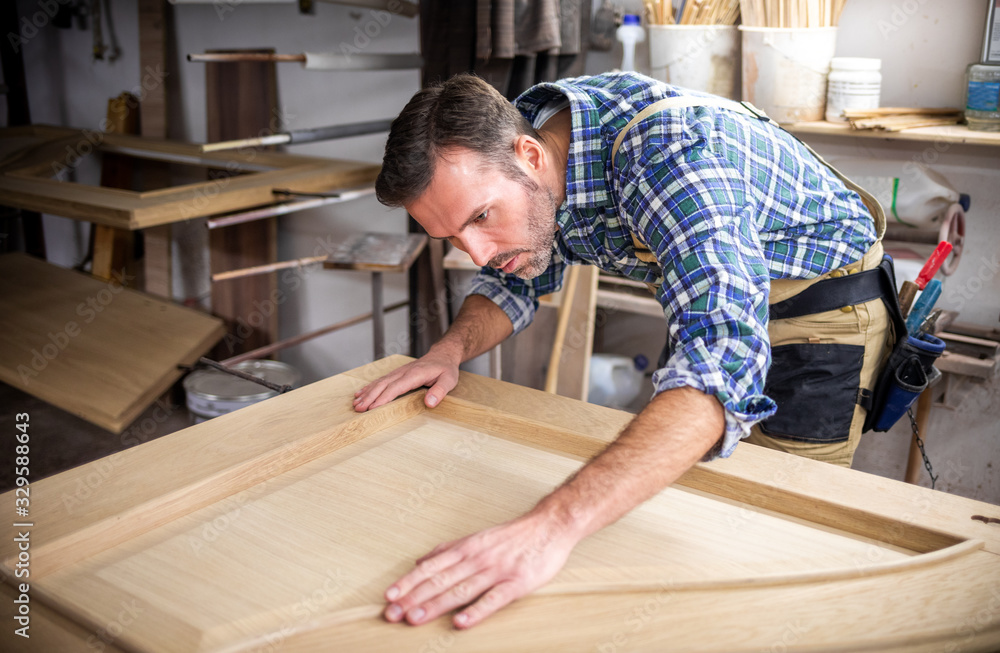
(480,218)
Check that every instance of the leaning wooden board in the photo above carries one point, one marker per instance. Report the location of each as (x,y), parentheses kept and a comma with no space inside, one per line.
(93,348)
(278,527)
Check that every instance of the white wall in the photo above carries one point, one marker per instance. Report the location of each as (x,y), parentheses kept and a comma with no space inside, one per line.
(67,88)
(925,46)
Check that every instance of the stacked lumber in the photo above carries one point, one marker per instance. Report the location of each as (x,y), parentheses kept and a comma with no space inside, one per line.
(894,119)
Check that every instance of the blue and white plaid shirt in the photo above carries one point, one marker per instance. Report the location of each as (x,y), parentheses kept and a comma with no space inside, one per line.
(725,201)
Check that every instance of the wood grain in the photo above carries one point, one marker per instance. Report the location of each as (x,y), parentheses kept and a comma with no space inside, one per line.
(378,252)
(280,525)
(92,348)
(25,178)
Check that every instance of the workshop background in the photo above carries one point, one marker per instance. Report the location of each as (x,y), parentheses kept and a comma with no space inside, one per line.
(924,46)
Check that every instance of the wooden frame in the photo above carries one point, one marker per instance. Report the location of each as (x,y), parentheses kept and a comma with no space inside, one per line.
(281,524)
(26,183)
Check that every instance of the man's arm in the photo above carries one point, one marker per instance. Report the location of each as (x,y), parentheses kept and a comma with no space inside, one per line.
(506,562)
(479,326)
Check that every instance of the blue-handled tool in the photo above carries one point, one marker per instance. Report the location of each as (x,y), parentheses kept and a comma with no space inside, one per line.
(928,297)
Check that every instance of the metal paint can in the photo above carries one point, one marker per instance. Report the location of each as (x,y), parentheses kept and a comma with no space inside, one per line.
(211,393)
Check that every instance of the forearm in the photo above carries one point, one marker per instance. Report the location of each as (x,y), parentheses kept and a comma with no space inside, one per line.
(479,326)
(671,434)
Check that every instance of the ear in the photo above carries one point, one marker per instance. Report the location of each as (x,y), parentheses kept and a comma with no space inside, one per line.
(530,153)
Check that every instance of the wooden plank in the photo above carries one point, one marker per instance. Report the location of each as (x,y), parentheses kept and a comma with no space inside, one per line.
(377,252)
(957,134)
(337,504)
(569,364)
(25,182)
(242,101)
(158,243)
(92,348)
(112,247)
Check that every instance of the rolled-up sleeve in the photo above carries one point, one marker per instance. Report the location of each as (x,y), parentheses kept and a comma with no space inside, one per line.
(699,221)
(518,298)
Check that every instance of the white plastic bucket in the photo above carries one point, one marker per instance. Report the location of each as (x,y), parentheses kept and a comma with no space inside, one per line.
(785,70)
(698,57)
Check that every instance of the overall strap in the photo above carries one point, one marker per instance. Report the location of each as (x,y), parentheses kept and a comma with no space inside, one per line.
(686,101)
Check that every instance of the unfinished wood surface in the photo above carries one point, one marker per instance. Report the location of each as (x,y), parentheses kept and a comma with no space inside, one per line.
(91,347)
(377,252)
(242,101)
(244,178)
(284,522)
(569,365)
(956,134)
(112,247)
(157,264)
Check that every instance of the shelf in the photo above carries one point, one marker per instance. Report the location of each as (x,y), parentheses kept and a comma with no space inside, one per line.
(958,134)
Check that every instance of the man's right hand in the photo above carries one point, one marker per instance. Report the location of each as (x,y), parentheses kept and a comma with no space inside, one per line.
(435,369)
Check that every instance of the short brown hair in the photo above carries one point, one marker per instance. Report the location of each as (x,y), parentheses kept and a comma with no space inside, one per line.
(464,111)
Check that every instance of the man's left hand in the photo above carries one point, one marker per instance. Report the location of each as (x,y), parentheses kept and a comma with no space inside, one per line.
(497,565)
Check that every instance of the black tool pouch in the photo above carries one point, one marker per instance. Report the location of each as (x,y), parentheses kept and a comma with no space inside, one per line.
(908,371)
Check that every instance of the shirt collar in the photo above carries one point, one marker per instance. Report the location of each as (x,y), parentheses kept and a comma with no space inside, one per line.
(586,182)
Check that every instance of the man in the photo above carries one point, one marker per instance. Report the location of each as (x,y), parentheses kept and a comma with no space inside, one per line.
(717,209)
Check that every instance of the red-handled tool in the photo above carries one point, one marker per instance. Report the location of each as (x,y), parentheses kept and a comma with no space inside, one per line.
(933,264)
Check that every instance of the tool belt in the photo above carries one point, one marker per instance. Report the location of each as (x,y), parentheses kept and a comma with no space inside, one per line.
(909,368)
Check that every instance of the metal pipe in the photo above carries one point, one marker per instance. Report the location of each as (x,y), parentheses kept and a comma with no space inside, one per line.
(267,350)
(287,207)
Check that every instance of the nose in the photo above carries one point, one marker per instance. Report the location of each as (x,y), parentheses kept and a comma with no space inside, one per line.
(475,247)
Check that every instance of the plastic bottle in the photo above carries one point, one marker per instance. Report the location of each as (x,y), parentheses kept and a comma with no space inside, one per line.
(615,381)
(910,193)
(630,33)
(982,97)
(853,83)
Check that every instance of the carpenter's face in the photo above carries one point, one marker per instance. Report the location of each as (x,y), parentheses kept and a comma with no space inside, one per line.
(501,222)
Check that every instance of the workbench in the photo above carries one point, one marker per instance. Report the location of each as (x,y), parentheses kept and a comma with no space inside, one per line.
(280,525)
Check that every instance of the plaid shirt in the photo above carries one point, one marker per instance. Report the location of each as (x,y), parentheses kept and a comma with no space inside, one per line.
(725,201)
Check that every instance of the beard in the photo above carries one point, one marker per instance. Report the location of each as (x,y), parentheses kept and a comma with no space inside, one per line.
(541,232)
